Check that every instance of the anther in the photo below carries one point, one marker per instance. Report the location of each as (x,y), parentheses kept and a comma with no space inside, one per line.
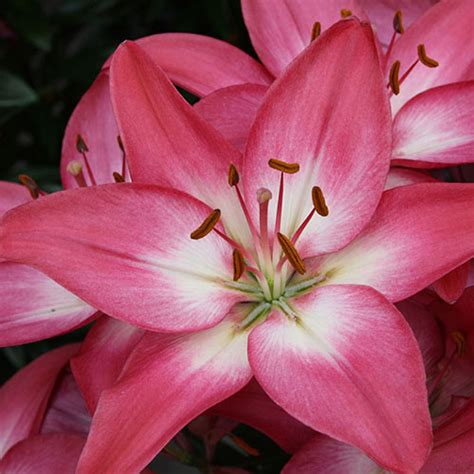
(316,31)
(209,223)
(319,202)
(31,185)
(283,166)
(398,23)
(239,264)
(263,195)
(118,178)
(424,58)
(233,176)
(75,169)
(346,13)
(394,81)
(291,253)
(460,342)
(81,144)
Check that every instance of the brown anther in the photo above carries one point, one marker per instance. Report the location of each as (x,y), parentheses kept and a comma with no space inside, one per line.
(118,178)
(263,195)
(74,168)
(209,223)
(244,445)
(283,166)
(316,31)
(233,176)
(398,22)
(81,144)
(346,13)
(239,264)
(30,184)
(291,253)
(424,58)
(319,202)
(460,341)
(393,77)
(120,143)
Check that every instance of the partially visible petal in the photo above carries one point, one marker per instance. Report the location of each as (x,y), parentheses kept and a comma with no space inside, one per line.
(451,286)
(12,195)
(348,366)
(402,177)
(34,307)
(325,455)
(337,126)
(252,406)
(435,127)
(24,398)
(232,110)
(280,30)
(201,64)
(418,234)
(446,31)
(126,250)
(102,357)
(168,381)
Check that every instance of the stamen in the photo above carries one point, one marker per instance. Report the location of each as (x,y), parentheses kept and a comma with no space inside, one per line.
(424,58)
(316,31)
(209,223)
(239,264)
(460,342)
(319,202)
(291,253)
(233,176)
(398,22)
(394,81)
(124,161)
(283,166)
(118,178)
(31,185)
(75,169)
(263,197)
(346,13)
(82,148)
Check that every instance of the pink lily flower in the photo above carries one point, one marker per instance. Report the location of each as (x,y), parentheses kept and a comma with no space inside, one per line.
(314,334)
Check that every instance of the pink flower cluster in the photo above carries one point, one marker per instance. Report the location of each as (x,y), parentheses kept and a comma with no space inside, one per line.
(282,254)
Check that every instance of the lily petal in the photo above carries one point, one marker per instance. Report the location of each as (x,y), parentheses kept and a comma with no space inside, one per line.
(328,368)
(418,234)
(336,126)
(168,380)
(131,246)
(12,195)
(446,31)
(435,127)
(452,285)
(102,357)
(280,30)
(403,177)
(24,398)
(232,110)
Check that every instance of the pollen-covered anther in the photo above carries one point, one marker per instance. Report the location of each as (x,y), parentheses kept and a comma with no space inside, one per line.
(209,223)
(233,177)
(30,184)
(238,263)
(74,168)
(424,58)
(393,78)
(283,166)
(345,13)
(319,202)
(398,22)
(118,178)
(81,145)
(291,253)
(263,195)
(315,31)
(460,341)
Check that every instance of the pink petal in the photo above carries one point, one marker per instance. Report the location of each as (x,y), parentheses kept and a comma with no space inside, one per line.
(435,127)
(102,357)
(252,406)
(446,31)
(451,286)
(201,64)
(12,195)
(325,455)
(44,454)
(349,367)
(232,110)
(24,398)
(280,30)
(35,307)
(168,381)
(93,118)
(418,234)
(126,250)
(403,177)
(320,116)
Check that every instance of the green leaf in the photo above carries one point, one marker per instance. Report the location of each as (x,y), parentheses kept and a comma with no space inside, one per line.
(14,92)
